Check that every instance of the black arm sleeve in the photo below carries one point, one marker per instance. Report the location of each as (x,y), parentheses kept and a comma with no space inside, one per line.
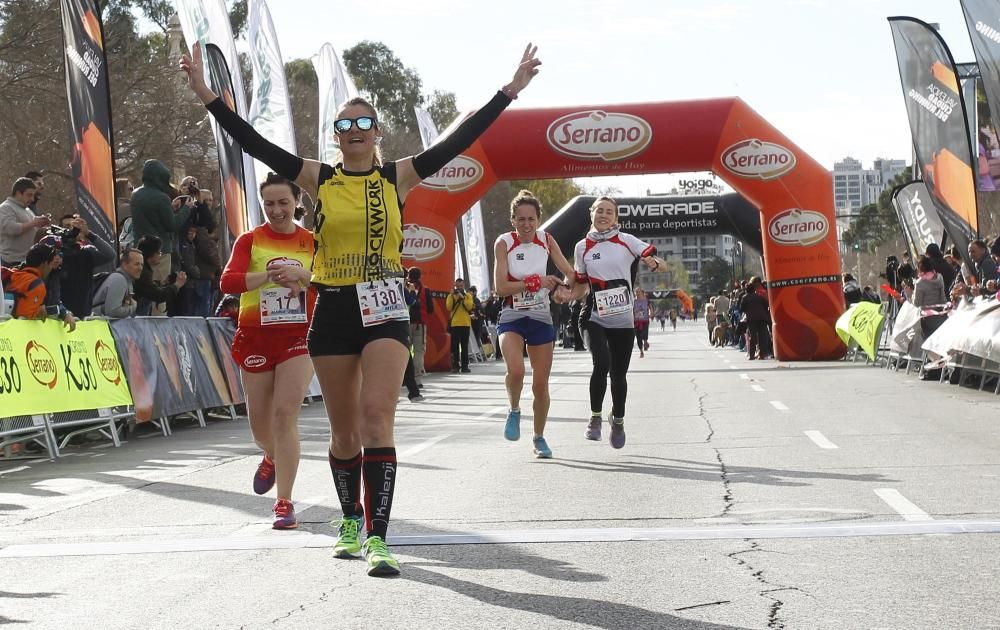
(283,162)
(430,161)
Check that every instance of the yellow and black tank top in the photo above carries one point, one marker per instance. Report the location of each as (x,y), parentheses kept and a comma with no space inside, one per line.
(359,226)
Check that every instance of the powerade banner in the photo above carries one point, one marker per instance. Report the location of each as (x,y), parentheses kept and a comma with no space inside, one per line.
(171,365)
(223,330)
(46,369)
(862,323)
(270,110)
(983,20)
(90,116)
(234,198)
(918,216)
(335,89)
(941,135)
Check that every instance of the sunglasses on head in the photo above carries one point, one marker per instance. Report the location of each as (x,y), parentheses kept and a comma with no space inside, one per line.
(364,123)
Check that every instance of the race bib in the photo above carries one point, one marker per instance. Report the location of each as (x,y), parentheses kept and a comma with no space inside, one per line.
(527,301)
(278,307)
(382,301)
(613,301)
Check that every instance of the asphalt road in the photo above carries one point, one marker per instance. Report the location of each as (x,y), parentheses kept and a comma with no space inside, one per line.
(750,495)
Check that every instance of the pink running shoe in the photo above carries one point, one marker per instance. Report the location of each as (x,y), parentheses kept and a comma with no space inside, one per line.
(284,515)
(263,479)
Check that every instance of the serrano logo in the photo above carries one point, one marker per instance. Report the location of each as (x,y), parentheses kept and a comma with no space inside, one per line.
(41,364)
(254,360)
(460,174)
(597,135)
(421,243)
(107,362)
(798,227)
(755,159)
(282,261)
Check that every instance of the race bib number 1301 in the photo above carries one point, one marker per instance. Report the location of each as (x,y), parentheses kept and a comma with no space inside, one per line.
(382,301)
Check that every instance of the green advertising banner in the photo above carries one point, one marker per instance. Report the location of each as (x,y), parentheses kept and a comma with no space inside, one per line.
(862,323)
(44,368)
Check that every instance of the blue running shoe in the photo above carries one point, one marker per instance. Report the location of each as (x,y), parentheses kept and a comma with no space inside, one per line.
(512,431)
(542,450)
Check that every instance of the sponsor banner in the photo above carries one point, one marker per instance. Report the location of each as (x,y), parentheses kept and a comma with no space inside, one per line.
(918,215)
(756,159)
(941,137)
(798,227)
(335,89)
(794,282)
(90,116)
(223,330)
(863,323)
(171,365)
(983,19)
(270,110)
(46,369)
(460,174)
(422,243)
(599,135)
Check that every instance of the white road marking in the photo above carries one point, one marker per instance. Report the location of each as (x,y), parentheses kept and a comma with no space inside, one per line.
(491,412)
(820,439)
(780,406)
(733,367)
(902,505)
(745,377)
(426,444)
(757,388)
(302,539)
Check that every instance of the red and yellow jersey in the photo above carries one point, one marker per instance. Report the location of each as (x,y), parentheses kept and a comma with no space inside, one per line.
(269,305)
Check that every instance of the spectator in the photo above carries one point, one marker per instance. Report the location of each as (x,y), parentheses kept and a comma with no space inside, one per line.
(492,313)
(479,317)
(209,265)
(185,303)
(985,267)
(459,304)
(929,288)
(942,266)
(852,290)
(868,294)
(420,302)
(28,285)
(906,270)
(154,214)
(18,223)
(755,310)
(39,180)
(82,251)
(115,297)
(229,307)
(147,290)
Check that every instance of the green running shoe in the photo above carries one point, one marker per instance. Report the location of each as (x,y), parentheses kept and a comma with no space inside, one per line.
(348,543)
(379,558)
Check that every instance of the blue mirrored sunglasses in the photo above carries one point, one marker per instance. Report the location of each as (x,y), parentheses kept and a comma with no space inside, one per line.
(364,123)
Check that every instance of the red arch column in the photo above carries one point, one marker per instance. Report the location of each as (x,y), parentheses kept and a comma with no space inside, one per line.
(793,192)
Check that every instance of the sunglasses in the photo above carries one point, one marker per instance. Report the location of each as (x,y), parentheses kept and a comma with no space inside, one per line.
(364,123)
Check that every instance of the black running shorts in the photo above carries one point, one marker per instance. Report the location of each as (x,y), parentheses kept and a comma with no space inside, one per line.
(336,327)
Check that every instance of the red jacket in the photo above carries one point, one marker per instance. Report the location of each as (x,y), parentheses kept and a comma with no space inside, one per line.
(28,288)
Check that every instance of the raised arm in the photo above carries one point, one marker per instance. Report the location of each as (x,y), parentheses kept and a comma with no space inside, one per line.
(305,173)
(410,171)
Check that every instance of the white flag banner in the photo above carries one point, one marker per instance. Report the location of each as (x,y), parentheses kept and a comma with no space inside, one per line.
(472,222)
(270,111)
(335,89)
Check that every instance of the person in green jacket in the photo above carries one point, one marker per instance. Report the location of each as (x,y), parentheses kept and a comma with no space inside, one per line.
(154,213)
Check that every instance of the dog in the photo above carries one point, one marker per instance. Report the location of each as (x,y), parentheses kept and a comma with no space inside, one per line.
(719,335)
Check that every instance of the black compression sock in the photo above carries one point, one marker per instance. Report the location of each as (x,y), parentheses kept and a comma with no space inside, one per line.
(380,482)
(347,479)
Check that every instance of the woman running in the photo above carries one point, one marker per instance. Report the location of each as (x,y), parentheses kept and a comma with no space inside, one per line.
(269,268)
(519,271)
(359,337)
(603,263)
(640,312)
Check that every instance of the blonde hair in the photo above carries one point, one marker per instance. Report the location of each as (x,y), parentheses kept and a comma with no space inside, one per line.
(526,197)
(377,157)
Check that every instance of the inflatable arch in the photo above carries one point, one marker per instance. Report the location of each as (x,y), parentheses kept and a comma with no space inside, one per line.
(793,193)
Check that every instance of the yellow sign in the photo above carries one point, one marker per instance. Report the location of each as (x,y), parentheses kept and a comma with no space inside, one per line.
(862,323)
(46,369)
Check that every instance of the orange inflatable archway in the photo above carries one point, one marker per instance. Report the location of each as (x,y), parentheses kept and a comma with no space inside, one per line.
(792,191)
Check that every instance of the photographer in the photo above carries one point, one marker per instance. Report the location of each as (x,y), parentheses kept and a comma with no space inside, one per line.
(18,223)
(82,252)
(153,213)
(460,305)
(148,291)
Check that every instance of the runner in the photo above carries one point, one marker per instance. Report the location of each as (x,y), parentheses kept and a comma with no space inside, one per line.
(640,312)
(673,318)
(359,338)
(521,260)
(269,267)
(604,266)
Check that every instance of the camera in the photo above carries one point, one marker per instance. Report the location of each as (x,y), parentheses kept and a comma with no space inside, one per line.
(67,237)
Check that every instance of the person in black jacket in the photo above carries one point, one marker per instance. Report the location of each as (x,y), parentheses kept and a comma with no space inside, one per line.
(754,308)
(72,284)
(940,265)
(147,291)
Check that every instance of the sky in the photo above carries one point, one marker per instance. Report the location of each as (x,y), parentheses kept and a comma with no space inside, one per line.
(823,72)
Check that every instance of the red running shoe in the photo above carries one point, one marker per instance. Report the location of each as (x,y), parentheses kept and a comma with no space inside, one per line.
(284,515)
(263,479)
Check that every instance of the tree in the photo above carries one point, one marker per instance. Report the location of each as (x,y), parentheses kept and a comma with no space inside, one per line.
(716,274)
(394,89)
(442,108)
(303,94)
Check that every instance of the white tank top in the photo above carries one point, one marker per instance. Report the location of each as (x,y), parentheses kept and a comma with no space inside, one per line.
(523,260)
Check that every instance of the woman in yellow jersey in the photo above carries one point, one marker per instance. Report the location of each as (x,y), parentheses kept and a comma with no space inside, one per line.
(359,337)
(269,268)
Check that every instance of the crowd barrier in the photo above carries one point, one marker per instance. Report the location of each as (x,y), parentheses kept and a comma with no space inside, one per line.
(55,384)
(965,345)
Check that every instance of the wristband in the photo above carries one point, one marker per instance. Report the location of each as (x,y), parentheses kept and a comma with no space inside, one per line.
(533,283)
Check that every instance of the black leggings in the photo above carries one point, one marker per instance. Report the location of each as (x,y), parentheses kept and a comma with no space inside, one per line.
(641,334)
(611,350)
